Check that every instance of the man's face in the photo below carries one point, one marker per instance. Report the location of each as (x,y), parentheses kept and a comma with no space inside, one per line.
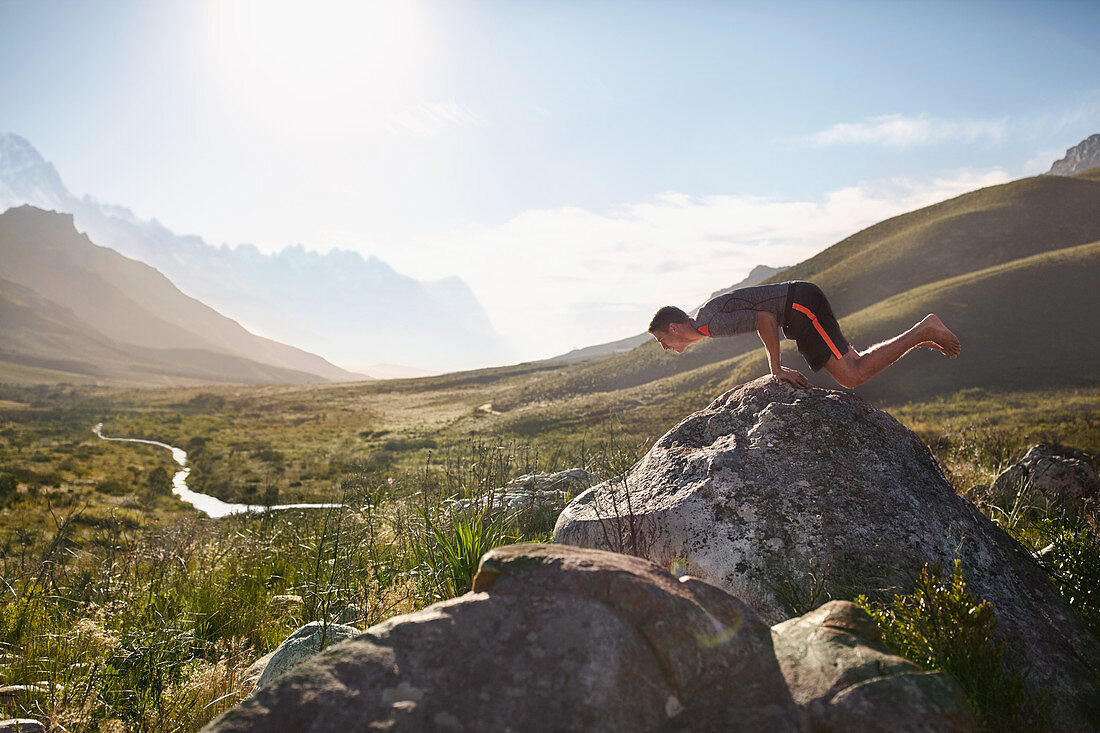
(674,338)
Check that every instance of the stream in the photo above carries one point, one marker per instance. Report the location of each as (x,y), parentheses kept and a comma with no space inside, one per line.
(208,505)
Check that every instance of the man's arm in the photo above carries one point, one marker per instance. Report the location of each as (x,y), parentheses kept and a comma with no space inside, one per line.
(768,330)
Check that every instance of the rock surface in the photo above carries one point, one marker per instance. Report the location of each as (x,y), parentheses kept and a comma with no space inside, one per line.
(838,671)
(1045,470)
(1081,157)
(301,645)
(21,725)
(552,639)
(788,497)
(530,496)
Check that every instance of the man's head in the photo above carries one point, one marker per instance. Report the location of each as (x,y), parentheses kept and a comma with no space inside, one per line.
(673,330)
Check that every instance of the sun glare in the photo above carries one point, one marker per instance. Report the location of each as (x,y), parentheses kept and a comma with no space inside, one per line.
(318,64)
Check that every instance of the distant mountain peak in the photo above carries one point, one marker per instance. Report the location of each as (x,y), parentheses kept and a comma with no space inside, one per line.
(26,177)
(1079,158)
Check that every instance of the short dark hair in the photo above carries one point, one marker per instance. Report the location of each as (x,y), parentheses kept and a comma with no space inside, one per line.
(668,314)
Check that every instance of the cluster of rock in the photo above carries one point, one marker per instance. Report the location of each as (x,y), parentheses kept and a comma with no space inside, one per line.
(787,498)
(559,638)
(766,505)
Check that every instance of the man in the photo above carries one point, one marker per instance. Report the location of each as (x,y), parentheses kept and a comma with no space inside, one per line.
(806,316)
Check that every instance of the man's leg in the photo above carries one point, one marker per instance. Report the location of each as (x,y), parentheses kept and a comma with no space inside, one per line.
(854,368)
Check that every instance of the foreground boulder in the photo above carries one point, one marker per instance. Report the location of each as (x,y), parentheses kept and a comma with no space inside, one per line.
(788,497)
(551,639)
(842,676)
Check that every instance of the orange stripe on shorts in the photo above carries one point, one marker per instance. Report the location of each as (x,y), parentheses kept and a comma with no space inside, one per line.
(817,325)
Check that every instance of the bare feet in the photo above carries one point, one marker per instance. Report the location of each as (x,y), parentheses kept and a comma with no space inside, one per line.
(940,337)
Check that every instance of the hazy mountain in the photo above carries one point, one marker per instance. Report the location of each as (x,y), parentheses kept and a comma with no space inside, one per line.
(1079,158)
(759,274)
(67,299)
(350,308)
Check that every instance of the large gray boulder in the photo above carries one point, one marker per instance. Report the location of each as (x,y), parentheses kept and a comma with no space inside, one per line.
(839,672)
(787,498)
(551,639)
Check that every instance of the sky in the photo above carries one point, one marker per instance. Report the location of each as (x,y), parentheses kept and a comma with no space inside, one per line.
(578,164)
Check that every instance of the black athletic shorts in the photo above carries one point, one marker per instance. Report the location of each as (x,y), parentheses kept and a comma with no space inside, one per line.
(809,320)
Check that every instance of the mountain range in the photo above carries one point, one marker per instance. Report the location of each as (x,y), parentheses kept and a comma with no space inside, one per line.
(352,309)
(72,310)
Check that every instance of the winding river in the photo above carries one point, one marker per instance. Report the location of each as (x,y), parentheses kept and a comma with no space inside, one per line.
(208,505)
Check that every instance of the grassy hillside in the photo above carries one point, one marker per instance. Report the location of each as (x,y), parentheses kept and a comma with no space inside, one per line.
(971,232)
(975,232)
(1024,324)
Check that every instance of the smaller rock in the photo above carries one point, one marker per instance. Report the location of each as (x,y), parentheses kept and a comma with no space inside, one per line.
(842,676)
(252,674)
(285,604)
(301,645)
(15,694)
(21,725)
(532,500)
(1048,471)
(350,614)
(574,480)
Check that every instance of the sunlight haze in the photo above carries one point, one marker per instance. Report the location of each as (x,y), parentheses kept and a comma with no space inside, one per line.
(577,164)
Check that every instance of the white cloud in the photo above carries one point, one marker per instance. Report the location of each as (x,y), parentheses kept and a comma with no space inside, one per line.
(556,279)
(900,131)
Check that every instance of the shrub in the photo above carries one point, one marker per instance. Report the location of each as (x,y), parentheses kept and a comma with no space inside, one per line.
(112,488)
(1074,565)
(159,481)
(940,625)
(7,488)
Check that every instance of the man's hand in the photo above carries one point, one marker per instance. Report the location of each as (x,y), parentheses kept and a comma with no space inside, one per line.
(793,376)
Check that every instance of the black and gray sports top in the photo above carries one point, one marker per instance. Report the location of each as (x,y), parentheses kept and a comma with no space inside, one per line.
(735,312)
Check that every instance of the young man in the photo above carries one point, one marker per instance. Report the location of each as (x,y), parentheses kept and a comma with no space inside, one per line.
(806,316)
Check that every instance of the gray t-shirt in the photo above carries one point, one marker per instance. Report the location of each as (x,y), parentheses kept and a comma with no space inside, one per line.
(735,312)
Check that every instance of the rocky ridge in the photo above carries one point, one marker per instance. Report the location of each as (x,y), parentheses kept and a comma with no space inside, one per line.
(1080,158)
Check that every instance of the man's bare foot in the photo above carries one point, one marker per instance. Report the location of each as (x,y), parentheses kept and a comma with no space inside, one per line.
(933,346)
(945,342)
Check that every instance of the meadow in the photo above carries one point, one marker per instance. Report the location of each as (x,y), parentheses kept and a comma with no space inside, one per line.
(122,609)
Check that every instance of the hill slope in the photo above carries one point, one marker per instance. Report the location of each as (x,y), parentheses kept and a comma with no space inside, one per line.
(46,342)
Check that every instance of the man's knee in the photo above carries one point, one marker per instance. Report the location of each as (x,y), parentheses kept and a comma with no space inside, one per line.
(846,372)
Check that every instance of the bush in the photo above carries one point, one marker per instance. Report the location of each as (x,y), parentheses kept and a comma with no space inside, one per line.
(112,488)
(7,488)
(1074,565)
(940,625)
(159,481)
